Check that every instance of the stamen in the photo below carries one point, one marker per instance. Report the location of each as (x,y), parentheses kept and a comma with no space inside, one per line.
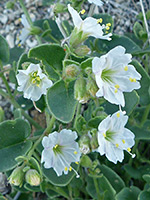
(123,141)
(77,175)
(77,163)
(129,151)
(66,168)
(75,152)
(132,79)
(118,115)
(117,86)
(82,11)
(104,135)
(126,68)
(107,28)
(19,45)
(70,169)
(117,145)
(56,146)
(116,90)
(107,32)
(100,20)
(108,24)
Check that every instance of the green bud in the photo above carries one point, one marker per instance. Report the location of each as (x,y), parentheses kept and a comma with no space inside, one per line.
(80,92)
(94,142)
(86,161)
(1,114)
(82,50)
(71,71)
(32,177)
(59,8)
(84,144)
(17,176)
(25,65)
(35,30)
(10,5)
(91,86)
(77,37)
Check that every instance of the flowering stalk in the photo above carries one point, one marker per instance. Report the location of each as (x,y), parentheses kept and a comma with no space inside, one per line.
(28,18)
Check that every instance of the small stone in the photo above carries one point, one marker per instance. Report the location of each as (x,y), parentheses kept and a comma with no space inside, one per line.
(10,40)
(3,19)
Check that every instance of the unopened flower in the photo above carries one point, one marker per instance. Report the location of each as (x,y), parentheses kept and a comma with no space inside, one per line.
(114,75)
(32,177)
(60,150)
(90,26)
(16,177)
(96,2)
(25,31)
(114,138)
(33,82)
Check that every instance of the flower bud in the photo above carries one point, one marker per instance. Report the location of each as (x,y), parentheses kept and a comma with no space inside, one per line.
(10,5)
(91,86)
(94,142)
(32,177)
(35,30)
(59,8)
(17,176)
(77,37)
(71,71)
(82,50)
(80,92)
(84,144)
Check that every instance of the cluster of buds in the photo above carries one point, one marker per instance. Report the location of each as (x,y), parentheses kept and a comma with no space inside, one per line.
(18,176)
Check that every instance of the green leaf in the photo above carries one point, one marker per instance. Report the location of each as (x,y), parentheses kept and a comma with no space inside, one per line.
(144,195)
(80,124)
(104,186)
(4,50)
(53,55)
(128,193)
(140,133)
(145,84)
(134,173)
(104,46)
(131,101)
(146,177)
(115,180)
(86,63)
(62,180)
(15,53)
(12,142)
(61,102)
(52,194)
(137,28)
(94,122)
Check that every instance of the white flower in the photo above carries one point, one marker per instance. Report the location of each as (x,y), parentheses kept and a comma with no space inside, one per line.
(25,31)
(60,150)
(114,75)
(113,137)
(90,26)
(33,82)
(96,2)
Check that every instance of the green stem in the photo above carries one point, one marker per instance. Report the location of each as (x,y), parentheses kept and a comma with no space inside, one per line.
(97,189)
(77,113)
(145,115)
(47,131)
(28,18)
(59,191)
(54,39)
(4,94)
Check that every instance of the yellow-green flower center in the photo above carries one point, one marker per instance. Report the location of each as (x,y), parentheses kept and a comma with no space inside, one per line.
(107,75)
(35,79)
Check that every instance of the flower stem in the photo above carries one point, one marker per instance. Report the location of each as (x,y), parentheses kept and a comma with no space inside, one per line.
(47,130)
(77,113)
(28,18)
(97,189)
(145,115)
